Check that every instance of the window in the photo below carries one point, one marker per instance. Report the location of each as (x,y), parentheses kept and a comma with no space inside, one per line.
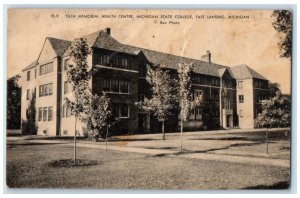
(240,84)
(106,84)
(241,113)
(46,68)
(124,86)
(28,75)
(66,87)
(197,93)
(66,64)
(46,90)
(63,111)
(50,113)
(45,113)
(68,111)
(241,98)
(27,94)
(114,85)
(124,62)
(104,59)
(40,114)
(35,73)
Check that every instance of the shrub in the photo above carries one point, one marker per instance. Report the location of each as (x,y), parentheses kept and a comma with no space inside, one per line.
(29,128)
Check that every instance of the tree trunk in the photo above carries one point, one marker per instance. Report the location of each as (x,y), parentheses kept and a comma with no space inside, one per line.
(267,141)
(181,134)
(75,140)
(106,138)
(163,130)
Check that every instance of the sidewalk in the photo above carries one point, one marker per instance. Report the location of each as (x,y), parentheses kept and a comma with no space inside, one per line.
(203,156)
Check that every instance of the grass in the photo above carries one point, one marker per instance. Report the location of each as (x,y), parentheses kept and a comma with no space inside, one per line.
(27,167)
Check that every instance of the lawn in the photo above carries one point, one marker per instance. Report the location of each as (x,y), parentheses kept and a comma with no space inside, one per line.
(27,167)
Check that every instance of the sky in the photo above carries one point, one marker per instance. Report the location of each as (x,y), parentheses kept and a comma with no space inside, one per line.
(250,39)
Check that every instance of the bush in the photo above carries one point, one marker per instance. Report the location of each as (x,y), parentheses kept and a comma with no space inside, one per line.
(29,128)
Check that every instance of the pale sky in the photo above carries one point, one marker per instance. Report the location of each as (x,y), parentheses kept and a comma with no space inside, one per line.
(232,42)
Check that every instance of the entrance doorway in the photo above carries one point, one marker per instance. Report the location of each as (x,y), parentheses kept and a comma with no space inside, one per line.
(228,121)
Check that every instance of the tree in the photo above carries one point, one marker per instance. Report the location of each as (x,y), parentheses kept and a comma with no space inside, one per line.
(98,116)
(78,76)
(13,119)
(163,98)
(275,113)
(186,102)
(283,24)
(29,126)
(273,88)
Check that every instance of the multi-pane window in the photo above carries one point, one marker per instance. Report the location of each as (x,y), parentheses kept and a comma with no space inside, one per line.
(240,84)
(124,62)
(28,75)
(66,87)
(27,94)
(196,94)
(124,88)
(241,98)
(46,68)
(121,110)
(50,113)
(114,85)
(66,111)
(46,90)
(106,84)
(104,59)
(45,114)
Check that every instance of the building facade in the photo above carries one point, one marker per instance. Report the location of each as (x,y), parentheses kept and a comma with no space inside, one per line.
(231,95)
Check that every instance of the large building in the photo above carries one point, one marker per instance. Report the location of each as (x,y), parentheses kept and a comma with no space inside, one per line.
(231,94)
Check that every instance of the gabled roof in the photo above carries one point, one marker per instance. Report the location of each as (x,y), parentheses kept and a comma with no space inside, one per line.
(59,45)
(245,72)
(31,65)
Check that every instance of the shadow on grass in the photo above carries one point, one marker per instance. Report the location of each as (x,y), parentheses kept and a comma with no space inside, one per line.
(184,152)
(69,163)
(222,138)
(130,140)
(276,186)
(30,144)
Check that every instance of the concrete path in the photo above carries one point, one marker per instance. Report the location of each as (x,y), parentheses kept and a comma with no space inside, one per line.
(203,156)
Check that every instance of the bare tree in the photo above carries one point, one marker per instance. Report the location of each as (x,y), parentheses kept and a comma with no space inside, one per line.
(163,98)
(186,102)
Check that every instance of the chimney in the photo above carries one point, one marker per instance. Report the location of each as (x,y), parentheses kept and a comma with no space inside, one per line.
(206,57)
(107,30)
